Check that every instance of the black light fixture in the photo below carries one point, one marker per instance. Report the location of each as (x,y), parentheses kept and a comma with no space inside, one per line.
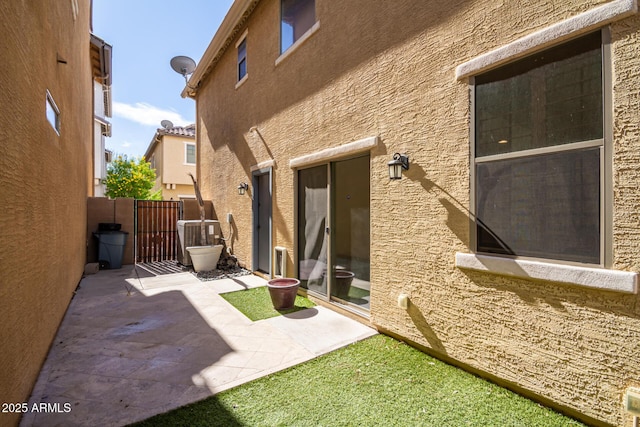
(399,162)
(242,188)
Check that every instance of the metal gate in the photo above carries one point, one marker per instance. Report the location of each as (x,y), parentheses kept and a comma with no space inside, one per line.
(157,230)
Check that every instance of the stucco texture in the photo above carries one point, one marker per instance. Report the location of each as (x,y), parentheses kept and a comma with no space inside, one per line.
(389,71)
(44,180)
(171,168)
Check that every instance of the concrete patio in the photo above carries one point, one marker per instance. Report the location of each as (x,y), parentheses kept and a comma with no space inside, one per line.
(133,345)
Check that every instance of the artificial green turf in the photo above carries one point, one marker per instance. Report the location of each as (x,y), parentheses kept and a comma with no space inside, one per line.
(376,382)
(256,303)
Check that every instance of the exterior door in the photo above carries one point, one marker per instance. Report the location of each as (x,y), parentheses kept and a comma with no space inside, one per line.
(333,230)
(350,241)
(262,222)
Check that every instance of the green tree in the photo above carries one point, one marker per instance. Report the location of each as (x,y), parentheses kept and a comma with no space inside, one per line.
(131,178)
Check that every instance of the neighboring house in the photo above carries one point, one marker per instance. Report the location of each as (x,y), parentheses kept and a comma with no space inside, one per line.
(511,245)
(101,66)
(172,153)
(46,174)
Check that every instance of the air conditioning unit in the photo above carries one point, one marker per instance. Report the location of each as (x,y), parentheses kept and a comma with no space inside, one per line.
(189,235)
(280,257)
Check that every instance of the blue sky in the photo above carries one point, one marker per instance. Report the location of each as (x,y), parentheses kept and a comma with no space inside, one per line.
(145,35)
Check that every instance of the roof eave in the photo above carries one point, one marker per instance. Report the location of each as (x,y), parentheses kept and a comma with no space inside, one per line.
(152,146)
(237,14)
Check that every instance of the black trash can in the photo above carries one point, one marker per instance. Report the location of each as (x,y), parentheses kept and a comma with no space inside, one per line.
(111,248)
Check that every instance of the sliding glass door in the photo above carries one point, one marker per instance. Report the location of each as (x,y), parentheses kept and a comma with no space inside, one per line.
(333,230)
(313,235)
(350,233)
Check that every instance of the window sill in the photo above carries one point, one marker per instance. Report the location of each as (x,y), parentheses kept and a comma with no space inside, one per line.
(306,36)
(242,80)
(595,278)
(564,30)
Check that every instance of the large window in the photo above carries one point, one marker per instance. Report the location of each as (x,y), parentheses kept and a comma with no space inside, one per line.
(297,17)
(538,154)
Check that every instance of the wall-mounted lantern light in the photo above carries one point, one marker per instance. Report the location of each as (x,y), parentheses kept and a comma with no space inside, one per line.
(242,188)
(399,162)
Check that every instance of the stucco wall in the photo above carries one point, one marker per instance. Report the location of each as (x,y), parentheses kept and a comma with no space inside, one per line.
(120,211)
(175,170)
(44,180)
(170,167)
(389,71)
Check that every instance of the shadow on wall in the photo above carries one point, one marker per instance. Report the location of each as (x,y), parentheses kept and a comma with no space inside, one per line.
(141,338)
(532,292)
(559,295)
(458,216)
(423,326)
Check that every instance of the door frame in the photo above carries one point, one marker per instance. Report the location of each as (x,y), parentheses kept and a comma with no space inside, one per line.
(330,225)
(255,176)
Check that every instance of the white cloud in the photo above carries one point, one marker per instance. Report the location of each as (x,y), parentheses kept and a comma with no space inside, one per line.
(147,114)
(126,144)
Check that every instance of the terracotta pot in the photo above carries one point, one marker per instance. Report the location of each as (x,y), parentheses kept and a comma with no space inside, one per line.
(283,292)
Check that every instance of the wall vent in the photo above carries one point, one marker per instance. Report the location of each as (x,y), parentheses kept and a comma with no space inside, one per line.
(280,258)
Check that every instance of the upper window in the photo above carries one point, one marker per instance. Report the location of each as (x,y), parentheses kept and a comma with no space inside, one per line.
(297,17)
(190,154)
(52,112)
(538,154)
(242,59)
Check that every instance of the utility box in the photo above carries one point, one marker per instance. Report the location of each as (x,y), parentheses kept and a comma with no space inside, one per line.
(189,235)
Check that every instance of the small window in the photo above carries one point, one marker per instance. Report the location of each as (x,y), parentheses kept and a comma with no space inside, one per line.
(53,113)
(297,17)
(538,154)
(190,154)
(242,59)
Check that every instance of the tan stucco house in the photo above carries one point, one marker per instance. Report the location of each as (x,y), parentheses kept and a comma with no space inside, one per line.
(172,153)
(46,173)
(511,244)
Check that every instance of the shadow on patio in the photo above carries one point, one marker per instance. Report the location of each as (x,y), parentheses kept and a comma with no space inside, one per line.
(133,345)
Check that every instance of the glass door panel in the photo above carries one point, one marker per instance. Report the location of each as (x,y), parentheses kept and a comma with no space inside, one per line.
(350,234)
(312,228)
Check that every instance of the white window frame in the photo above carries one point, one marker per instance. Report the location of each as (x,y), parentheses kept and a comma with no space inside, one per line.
(298,42)
(52,108)
(186,154)
(241,80)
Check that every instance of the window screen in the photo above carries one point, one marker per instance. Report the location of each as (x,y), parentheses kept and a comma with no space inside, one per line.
(539,141)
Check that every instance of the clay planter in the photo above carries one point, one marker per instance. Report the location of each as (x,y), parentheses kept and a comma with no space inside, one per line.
(343,282)
(283,292)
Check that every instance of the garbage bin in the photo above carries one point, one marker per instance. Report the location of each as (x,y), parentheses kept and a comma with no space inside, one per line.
(110,248)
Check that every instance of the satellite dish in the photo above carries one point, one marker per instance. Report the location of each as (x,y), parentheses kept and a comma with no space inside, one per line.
(183,65)
(166,124)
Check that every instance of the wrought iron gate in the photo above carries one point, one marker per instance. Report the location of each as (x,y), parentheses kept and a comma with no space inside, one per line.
(157,230)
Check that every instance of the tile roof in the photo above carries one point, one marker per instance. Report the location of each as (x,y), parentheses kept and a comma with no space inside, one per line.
(189,130)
